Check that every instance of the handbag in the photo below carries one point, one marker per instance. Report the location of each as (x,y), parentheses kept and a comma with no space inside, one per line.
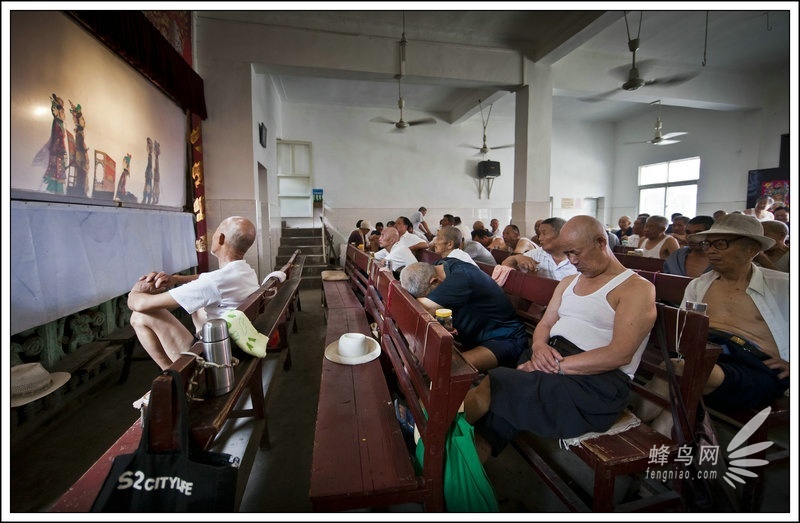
(186,479)
(697,492)
(466,485)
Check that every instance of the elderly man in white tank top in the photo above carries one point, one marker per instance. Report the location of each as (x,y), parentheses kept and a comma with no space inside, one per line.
(563,390)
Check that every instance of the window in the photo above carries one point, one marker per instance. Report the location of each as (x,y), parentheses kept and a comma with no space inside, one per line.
(669,187)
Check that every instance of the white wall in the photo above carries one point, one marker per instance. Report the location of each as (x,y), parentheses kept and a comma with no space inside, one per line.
(368,171)
(729,144)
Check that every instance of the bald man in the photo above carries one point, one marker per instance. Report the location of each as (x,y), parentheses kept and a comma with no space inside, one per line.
(606,311)
(205,296)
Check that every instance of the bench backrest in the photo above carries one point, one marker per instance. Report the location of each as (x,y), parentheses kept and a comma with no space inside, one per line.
(428,256)
(634,261)
(499,255)
(530,294)
(686,332)
(421,354)
(357,265)
(670,288)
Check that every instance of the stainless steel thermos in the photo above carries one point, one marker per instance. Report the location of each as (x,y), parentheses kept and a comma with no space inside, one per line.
(217,349)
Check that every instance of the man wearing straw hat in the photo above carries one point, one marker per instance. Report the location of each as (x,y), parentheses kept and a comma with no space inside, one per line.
(748,312)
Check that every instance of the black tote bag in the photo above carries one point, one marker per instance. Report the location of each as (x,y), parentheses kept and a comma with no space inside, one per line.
(183,480)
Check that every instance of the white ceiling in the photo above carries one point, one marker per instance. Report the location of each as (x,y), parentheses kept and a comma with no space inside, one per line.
(755,42)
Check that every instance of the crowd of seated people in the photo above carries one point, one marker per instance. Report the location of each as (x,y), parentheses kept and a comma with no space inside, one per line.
(738,267)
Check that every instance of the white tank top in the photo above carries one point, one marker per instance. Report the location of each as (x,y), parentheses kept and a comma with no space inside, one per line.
(588,321)
(655,252)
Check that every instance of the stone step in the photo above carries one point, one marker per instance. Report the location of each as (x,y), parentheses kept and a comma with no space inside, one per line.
(308,250)
(300,231)
(301,241)
(311,259)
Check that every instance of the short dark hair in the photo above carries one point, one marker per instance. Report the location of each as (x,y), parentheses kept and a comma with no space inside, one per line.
(390,223)
(555,222)
(378,224)
(513,227)
(403,221)
(780,208)
(705,221)
(481,233)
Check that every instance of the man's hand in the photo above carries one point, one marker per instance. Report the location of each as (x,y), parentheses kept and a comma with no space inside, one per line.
(526,263)
(544,359)
(778,364)
(154,283)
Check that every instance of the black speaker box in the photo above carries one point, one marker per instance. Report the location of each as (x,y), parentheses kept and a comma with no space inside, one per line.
(488,169)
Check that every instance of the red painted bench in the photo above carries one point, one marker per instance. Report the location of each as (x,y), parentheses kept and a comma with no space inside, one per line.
(360,458)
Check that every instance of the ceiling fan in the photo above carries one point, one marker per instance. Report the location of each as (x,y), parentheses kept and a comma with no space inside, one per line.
(402,124)
(484,149)
(659,139)
(632,77)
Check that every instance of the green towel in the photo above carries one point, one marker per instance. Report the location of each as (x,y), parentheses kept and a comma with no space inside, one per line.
(245,335)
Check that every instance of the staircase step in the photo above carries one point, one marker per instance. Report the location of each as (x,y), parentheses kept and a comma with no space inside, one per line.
(308,250)
(300,241)
(300,231)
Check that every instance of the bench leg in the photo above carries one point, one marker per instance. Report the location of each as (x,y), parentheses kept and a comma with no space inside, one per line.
(603,496)
(129,347)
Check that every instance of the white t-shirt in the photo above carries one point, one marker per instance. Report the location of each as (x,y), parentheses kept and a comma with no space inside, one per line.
(410,239)
(398,257)
(415,220)
(217,291)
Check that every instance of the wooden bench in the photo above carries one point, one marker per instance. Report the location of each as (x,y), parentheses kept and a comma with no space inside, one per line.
(634,261)
(360,458)
(234,423)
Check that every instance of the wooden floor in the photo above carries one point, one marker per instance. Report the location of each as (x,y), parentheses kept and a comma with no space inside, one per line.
(46,465)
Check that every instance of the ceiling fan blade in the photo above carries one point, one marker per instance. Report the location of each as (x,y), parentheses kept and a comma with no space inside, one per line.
(676,79)
(632,143)
(673,135)
(381,119)
(502,146)
(666,142)
(469,146)
(600,97)
(422,121)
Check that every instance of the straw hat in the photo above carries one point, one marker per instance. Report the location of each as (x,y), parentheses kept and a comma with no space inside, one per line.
(737,224)
(30,381)
(365,224)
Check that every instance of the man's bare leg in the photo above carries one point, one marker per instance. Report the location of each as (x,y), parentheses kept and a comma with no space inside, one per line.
(162,335)
(481,358)
(477,401)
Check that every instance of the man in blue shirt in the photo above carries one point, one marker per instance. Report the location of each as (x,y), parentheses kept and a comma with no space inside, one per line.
(485,321)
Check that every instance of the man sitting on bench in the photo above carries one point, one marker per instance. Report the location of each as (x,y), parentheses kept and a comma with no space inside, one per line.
(560,390)
(485,321)
(748,315)
(205,296)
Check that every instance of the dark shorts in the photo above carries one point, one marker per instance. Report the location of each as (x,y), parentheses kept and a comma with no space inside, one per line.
(551,405)
(748,383)
(507,350)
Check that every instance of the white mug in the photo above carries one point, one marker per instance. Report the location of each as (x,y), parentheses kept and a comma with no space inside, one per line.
(352,345)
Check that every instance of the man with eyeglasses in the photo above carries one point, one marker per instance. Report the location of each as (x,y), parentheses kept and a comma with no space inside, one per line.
(748,311)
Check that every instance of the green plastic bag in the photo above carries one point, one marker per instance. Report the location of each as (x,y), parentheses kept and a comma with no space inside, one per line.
(466,486)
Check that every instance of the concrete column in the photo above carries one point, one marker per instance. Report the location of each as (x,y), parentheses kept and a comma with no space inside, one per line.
(532,138)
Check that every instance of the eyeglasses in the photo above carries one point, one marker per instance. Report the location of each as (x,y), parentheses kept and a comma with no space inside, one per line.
(720,245)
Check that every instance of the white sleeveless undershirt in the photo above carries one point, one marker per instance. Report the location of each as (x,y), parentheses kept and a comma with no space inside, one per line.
(655,252)
(588,321)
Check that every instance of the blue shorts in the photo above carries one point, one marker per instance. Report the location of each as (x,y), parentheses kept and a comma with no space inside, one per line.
(748,383)
(507,350)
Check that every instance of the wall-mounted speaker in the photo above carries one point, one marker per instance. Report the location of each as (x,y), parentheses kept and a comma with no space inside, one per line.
(488,169)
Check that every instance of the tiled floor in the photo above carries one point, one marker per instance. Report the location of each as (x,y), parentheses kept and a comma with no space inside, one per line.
(45,466)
